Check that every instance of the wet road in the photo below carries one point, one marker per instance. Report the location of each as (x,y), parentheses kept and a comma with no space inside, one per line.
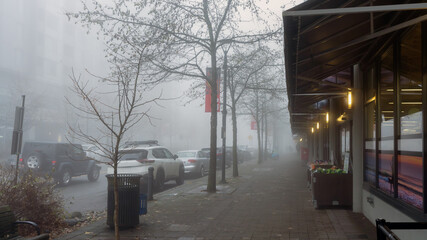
(82,195)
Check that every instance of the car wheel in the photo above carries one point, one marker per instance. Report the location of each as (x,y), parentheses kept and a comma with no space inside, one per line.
(65,177)
(160,180)
(34,161)
(93,174)
(202,171)
(180,179)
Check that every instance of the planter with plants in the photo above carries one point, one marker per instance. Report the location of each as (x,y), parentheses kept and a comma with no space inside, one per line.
(331,187)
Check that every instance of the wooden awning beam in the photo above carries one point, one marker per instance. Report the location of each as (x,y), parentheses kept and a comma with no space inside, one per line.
(322,82)
(353,10)
(368,37)
(319,94)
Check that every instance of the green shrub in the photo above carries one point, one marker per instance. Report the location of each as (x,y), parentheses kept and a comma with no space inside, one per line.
(33,198)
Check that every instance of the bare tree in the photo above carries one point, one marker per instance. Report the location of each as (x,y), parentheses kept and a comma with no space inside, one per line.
(117,103)
(266,87)
(188,35)
(245,63)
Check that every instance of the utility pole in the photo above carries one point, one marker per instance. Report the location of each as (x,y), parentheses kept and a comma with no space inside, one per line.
(224,118)
(17,135)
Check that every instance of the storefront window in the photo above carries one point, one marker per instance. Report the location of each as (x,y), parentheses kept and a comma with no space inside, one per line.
(345,147)
(386,144)
(393,111)
(410,167)
(370,128)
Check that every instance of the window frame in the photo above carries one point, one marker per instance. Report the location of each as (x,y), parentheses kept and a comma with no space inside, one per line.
(416,213)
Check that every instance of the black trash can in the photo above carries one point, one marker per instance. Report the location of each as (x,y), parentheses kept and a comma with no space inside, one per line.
(129,202)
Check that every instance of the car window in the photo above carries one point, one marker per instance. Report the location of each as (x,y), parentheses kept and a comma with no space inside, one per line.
(61,149)
(206,153)
(159,153)
(167,153)
(134,155)
(201,154)
(93,148)
(76,149)
(186,154)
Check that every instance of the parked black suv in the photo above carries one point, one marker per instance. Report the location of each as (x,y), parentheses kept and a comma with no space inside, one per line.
(61,160)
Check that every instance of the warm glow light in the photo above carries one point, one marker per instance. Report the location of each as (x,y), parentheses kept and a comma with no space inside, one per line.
(312,130)
(317,125)
(371,99)
(412,103)
(300,139)
(327,117)
(349,100)
(407,103)
(406,90)
(411,90)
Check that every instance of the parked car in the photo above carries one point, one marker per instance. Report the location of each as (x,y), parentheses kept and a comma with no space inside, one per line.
(243,154)
(207,151)
(60,160)
(93,152)
(228,157)
(137,157)
(195,162)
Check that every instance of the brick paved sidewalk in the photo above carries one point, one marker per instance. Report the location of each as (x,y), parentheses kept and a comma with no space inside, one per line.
(267,201)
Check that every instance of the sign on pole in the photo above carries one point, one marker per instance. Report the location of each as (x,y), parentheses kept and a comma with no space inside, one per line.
(17,131)
(253,124)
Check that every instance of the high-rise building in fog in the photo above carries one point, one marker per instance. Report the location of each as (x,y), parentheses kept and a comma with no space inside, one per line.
(39,46)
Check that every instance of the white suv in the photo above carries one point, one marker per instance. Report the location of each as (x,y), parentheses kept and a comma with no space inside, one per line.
(137,158)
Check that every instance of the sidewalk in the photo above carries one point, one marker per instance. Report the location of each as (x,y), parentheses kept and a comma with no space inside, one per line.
(267,201)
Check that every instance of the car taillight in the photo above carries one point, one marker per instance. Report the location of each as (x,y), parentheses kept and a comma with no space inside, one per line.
(191,160)
(145,161)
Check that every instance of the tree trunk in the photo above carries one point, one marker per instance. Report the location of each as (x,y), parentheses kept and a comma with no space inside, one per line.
(211,188)
(116,203)
(262,137)
(266,136)
(259,142)
(258,130)
(235,157)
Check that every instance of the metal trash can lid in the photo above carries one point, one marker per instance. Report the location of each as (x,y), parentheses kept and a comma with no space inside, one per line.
(124,180)
(124,175)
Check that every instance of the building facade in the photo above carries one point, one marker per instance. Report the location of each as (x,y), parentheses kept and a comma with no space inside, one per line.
(357,89)
(39,47)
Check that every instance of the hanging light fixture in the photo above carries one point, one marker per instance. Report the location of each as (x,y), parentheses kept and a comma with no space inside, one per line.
(317,125)
(327,117)
(312,129)
(349,100)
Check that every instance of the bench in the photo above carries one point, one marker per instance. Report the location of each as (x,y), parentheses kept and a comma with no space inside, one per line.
(9,226)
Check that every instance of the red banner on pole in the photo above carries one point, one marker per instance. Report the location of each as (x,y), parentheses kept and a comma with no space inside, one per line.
(208,92)
(253,124)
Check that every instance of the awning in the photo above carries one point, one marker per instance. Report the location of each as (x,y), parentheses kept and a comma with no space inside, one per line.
(324,39)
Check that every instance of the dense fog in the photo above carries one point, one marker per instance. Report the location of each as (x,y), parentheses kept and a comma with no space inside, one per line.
(40,48)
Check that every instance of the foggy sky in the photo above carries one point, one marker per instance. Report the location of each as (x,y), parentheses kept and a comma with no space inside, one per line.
(39,47)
